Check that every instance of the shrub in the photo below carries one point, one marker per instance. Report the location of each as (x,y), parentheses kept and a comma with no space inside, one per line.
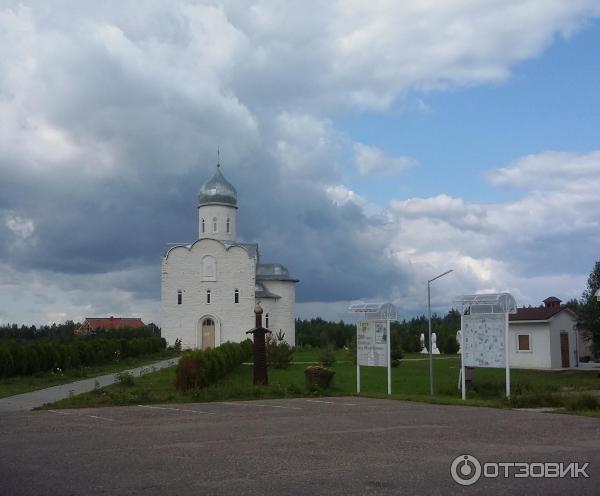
(448,344)
(187,373)
(318,377)
(7,365)
(27,358)
(125,379)
(327,358)
(396,348)
(410,342)
(200,368)
(582,402)
(279,352)
(351,349)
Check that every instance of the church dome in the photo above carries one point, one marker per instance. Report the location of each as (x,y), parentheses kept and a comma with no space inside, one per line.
(217,191)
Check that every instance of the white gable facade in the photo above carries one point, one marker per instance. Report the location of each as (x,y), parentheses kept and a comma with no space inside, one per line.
(209,287)
(544,337)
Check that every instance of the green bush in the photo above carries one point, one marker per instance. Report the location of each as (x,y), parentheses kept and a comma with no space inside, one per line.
(27,357)
(327,358)
(448,344)
(279,352)
(410,342)
(125,379)
(200,368)
(582,402)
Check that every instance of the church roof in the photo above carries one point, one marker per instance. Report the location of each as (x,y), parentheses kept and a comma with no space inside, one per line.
(260,291)
(273,272)
(217,191)
(251,248)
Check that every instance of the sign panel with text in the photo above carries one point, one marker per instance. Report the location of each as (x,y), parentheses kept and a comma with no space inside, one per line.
(372,343)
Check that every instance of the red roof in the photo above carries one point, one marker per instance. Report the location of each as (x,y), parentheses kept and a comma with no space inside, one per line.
(536,313)
(113,322)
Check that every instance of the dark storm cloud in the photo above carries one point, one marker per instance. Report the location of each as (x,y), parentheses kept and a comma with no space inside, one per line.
(113,111)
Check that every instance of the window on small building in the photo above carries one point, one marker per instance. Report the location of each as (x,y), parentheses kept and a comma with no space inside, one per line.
(179,297)
(227,224)
(214,224)
(203,225)
(523,342)
(208,296)
(236,296)
(267,321)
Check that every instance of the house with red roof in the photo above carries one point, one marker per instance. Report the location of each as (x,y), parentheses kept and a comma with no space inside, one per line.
(545,337)
(92,324)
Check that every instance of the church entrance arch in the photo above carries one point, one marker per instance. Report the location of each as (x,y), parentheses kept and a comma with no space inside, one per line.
(207,333)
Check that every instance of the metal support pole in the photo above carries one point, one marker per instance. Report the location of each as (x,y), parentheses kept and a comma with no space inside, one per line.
(389,353)
(506,353)
(462,359)
(430,350)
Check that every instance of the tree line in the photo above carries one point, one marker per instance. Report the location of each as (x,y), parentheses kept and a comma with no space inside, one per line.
(406,335)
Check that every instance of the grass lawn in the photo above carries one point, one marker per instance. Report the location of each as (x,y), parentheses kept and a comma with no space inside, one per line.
(25,384)
(410,381)
(313,355)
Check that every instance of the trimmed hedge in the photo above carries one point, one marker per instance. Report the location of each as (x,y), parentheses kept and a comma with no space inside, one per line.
(30,357)
(200,368)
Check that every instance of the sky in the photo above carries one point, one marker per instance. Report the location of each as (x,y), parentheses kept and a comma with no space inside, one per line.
(373,145)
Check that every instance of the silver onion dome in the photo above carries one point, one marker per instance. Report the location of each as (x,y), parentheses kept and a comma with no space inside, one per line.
(217,191)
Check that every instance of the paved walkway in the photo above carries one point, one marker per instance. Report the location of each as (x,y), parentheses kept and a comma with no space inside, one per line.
(28,401)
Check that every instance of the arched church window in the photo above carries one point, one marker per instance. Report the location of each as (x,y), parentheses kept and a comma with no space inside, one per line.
(203,225)
(209,268)
(179,297)
(267,321)
(208,296)
(228,224)
(214,224)
(236,296)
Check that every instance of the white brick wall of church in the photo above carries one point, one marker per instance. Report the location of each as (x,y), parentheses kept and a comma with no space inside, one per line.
(281,311)
(181,270)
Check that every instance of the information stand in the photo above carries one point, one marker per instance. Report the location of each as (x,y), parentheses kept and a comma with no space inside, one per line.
(484,333)
(373,338)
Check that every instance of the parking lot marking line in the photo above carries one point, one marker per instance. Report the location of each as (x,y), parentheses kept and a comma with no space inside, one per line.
(100,418)
(77,415)
(175,409)
(260,404)
(332,402)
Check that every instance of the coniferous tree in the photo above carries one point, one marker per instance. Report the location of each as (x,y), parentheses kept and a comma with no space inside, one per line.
(588,311)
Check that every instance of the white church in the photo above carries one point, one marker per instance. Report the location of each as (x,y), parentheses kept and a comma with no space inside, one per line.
(209,288)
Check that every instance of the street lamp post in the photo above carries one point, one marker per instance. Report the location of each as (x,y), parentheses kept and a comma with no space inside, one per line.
(429,314)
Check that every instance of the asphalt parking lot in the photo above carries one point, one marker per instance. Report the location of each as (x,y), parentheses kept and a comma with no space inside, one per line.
(297,446)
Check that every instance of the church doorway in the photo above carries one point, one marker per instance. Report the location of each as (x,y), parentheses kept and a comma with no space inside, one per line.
(208,333)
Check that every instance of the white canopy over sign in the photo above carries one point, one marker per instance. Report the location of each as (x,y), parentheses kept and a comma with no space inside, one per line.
(375,311)
(488,303)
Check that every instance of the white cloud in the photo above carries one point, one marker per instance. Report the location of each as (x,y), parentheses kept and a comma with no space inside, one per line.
(340,195)
(21,227)
(371,160)
(555,171)
(108,108)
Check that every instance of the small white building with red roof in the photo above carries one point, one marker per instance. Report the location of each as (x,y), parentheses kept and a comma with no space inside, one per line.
(545,337)
(92,324)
